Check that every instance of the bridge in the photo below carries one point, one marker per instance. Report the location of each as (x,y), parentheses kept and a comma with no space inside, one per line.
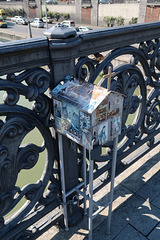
(29,70)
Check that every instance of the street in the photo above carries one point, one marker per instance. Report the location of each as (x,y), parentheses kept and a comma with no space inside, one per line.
(36,32)
(24,29)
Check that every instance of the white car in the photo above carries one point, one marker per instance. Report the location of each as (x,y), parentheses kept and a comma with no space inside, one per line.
(49,20)
(83,29)
(51,2)
(22,21)
(16,18)
(37,19)
(68,23)
(37,24)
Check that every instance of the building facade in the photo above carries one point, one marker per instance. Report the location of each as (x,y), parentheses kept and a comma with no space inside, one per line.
(33,8)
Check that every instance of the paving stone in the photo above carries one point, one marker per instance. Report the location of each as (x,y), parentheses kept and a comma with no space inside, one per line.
(137,179)
(140,214)
(156,201)
(157,176)
(150,190)
(129,233)
(117,225)
(121,194)
(135,218)
(155,234)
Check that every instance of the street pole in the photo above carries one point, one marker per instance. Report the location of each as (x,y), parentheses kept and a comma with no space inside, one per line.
(46,15)
(29,29)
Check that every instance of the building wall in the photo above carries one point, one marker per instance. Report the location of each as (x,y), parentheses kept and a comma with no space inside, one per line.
(98,11)
(127,11)
(124,10)
(71,9)
(23,5)
(15,5)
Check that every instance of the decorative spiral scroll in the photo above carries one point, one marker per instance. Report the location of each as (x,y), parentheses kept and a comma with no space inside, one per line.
(152,117)
(152,54)
(85,69)
(128,79)
(17,123)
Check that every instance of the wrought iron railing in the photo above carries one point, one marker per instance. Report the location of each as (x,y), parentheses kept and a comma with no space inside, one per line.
(29,69)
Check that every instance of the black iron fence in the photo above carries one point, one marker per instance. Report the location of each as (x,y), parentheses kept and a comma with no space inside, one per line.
(29,69)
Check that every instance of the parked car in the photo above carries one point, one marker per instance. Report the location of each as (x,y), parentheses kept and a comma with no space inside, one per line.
(22,21)
(51,2)
(68,23)
(14,19)
(105,1)
(37,19)
(83,29)
(49,20)
(3,23)
(37,24)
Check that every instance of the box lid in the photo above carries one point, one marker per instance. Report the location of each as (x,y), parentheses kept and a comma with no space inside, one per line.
(84,95)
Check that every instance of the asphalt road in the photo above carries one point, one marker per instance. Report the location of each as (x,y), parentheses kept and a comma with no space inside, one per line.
(24,29)
(36,32)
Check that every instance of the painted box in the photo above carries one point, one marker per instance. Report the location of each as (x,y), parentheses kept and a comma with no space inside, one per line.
(86,113)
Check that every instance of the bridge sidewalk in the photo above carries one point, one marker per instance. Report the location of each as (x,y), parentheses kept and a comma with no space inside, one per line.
(136,206)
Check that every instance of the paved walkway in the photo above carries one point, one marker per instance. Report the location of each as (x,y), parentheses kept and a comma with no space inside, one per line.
(136,206)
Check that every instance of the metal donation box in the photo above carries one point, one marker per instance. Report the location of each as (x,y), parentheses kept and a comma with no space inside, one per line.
(87,113)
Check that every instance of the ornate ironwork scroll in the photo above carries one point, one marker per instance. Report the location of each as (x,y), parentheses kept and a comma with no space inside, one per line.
(138,80)
(16,123)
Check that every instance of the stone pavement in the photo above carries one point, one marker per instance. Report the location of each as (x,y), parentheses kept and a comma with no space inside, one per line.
(136,206)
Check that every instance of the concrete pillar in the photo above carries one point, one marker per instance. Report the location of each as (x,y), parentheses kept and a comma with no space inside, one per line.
(142,11)
(94,13)
(78,13)
(39,8)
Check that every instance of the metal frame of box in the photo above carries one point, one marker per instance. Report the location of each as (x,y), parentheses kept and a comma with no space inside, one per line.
(82,109)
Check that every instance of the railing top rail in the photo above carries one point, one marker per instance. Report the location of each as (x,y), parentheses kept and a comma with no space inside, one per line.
(107,39)
(23,54)
(35,52)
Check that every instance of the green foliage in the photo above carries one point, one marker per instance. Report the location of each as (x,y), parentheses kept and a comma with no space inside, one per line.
(66,16)
(56,16)
(120,21)
(109,20)
(11,12)
(43,13)
(133,20)
(50,14)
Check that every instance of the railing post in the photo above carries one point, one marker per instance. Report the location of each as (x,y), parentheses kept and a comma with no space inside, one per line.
(59,69)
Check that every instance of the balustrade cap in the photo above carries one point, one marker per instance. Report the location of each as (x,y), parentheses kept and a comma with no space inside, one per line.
(60,32)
